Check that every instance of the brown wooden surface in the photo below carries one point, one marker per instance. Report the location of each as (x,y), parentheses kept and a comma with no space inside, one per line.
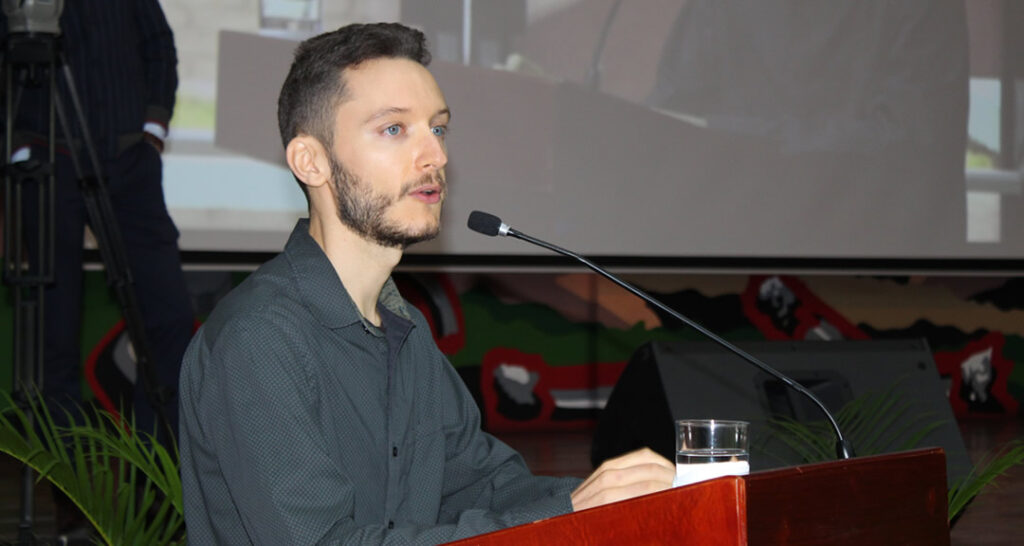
(708,513)
(890,499)
(993,519)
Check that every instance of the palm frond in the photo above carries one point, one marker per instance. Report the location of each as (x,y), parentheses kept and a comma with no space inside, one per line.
(806,439)
(870,423)
(126,484)
(984,474)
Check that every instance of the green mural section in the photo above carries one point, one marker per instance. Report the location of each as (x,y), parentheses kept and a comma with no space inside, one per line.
(1014,351)
(491,320)
(539,329)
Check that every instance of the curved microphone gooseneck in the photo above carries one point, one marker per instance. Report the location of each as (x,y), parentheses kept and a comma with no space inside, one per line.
(491,225)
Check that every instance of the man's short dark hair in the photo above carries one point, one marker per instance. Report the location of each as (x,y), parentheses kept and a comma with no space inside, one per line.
(315,86)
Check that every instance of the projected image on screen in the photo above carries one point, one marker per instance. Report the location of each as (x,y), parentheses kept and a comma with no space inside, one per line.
(712,128)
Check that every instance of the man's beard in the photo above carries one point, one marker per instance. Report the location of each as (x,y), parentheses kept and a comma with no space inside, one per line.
(363,210)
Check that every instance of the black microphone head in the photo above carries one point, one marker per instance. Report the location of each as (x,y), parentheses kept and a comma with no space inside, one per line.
(482,222)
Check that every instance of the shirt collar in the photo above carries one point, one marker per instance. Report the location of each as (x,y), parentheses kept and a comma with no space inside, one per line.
(320,287)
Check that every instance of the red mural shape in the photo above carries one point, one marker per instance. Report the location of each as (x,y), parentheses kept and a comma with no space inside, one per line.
(783,308)
(434,295)
(99,368)
(522,392)
(110,369)
(979,375)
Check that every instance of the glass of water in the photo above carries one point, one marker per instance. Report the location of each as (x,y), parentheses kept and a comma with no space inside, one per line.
(710,448)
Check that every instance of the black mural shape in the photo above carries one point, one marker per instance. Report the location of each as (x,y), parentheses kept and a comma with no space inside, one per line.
(939,337)
(1008,296)
(514,410)
(718,314)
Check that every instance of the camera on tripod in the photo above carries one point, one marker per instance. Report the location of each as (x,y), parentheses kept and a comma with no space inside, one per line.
(33,64)
(33,16)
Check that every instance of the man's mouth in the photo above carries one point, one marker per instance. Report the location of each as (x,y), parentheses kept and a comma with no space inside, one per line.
(428,194)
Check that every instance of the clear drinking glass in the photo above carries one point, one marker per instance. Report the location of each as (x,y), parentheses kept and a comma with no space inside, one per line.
(710,448)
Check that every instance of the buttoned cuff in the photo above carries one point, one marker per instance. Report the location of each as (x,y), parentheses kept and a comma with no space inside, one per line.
(157,120)
(155,129)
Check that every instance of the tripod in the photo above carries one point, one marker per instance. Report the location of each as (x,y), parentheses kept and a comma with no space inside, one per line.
(36,60)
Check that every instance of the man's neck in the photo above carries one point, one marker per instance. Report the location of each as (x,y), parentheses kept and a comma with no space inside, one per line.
(363,266)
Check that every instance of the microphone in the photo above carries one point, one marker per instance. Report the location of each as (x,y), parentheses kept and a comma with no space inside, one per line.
(491,225)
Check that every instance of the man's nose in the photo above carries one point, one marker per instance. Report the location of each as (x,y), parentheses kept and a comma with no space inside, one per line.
(432,153)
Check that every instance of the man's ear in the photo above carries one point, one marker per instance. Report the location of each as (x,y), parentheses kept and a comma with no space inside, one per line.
(307,158)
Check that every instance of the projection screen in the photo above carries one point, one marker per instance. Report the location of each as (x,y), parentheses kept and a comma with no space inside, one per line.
(655,129)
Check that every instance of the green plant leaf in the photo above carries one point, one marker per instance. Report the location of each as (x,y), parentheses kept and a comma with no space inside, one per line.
(984,474)
(126,484)
(869,422)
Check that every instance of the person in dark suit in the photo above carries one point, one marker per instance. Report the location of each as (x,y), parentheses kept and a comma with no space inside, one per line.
(124,62)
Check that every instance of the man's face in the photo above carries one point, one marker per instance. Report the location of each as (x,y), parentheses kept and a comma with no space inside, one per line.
(387,165)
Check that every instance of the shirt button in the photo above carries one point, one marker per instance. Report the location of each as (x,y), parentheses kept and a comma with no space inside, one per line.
(394,451)
(391,525)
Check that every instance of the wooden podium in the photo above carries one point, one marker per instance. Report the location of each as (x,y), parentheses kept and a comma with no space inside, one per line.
(897,498)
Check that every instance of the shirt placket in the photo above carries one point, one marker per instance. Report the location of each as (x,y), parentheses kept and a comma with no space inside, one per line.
(392,497)
(379,341)
(395,334)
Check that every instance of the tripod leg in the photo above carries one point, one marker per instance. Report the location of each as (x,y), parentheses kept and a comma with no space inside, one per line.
(61,378)
(28,304)
(27,270)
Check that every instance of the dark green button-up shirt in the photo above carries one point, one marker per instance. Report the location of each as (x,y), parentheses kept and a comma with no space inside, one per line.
(301,423)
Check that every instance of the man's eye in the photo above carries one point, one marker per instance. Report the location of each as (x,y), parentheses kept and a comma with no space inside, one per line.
(393,130)
(440,130)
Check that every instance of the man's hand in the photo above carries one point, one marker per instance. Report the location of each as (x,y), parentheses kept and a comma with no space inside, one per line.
(154,140)
(630,475)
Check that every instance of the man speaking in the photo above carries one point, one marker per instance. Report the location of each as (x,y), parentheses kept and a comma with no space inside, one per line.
(315,407)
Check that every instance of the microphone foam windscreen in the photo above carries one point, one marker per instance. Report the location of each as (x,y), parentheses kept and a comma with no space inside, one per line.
(481,222)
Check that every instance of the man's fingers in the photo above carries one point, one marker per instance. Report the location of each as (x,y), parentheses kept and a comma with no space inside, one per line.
(617,477)
(612,483)
(640,456)
(634,458)
(597,497)
(638,473)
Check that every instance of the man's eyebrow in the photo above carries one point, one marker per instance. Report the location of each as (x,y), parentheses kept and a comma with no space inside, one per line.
(400,110)
(386,112)
(443,112)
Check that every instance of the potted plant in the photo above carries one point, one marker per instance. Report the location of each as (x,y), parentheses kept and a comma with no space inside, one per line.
(124,482)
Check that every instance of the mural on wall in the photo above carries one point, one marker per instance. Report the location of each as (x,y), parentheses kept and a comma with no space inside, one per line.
(543,351)
(547,349)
